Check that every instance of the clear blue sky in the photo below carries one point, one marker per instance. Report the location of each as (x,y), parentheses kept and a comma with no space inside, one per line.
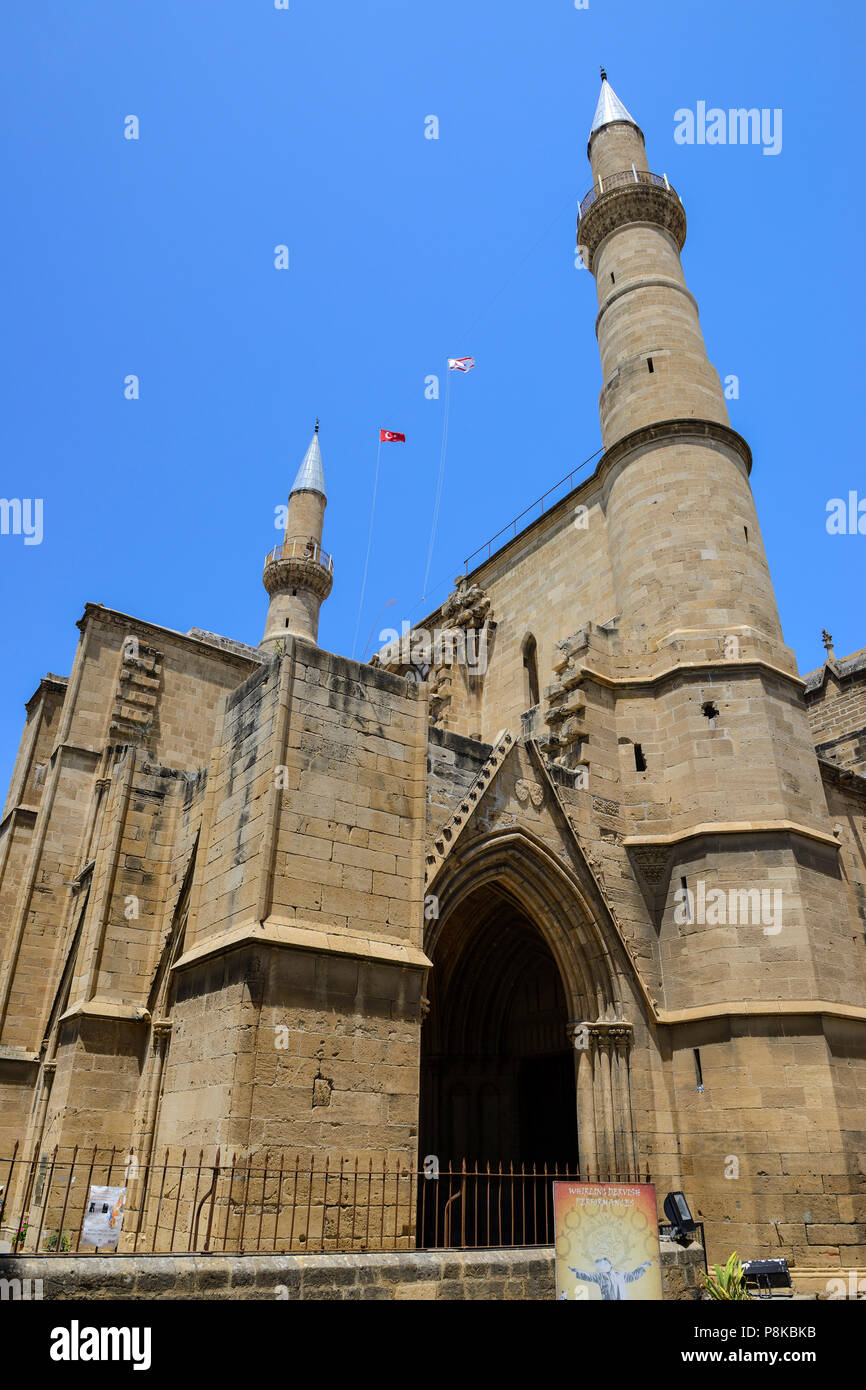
(306,127)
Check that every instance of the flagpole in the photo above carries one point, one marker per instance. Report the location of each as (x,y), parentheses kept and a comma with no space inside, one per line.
(442,455)
(369,544)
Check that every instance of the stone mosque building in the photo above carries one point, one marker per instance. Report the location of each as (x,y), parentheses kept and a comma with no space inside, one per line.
(584,883)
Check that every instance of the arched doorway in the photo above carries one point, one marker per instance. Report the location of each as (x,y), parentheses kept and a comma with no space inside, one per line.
(497,1067)
(525,1052)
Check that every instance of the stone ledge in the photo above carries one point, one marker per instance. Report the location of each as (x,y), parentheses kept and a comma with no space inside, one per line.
(236,652)
(745,827)
(642,283)
(679,427)
(762,1008)
(111,1009)
(300,936)
(9,1053)
(523,1274)
(744,666)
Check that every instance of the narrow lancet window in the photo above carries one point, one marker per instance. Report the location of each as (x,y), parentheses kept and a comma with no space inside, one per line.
(530,671)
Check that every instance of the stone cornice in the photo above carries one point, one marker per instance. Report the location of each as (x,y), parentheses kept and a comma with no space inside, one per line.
(16,813)
(112,617)
(8,1053)
(746,827)
(747,664)
(304,936)
(762,1008)
(842,776)
(641,283)
(662,431)
(112,1010)
(58,684)
(620,1031)
(856,732)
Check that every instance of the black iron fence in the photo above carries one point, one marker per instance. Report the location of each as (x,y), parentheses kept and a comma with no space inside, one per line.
(272,1203)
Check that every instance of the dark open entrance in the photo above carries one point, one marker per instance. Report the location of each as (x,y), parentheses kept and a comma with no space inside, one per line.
(497,1071)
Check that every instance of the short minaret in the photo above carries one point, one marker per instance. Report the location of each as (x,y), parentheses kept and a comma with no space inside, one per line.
(298,573)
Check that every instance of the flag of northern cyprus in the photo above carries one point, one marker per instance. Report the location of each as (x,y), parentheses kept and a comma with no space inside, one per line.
(461,364)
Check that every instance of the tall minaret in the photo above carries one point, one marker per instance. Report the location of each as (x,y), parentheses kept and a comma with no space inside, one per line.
(298,574)
(689,553)
(724,787)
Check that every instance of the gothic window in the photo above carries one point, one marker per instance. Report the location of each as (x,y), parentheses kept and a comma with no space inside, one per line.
(530,668)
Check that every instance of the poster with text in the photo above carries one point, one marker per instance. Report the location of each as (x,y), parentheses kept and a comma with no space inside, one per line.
(607,1242)
(104,1217)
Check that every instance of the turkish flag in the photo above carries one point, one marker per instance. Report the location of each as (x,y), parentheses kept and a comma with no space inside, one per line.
(391,437)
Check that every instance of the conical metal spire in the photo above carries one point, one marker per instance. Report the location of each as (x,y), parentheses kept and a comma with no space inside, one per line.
(311,475)
(609,108)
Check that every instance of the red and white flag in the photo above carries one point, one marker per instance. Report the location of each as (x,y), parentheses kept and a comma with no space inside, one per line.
(461,364)
(391,437)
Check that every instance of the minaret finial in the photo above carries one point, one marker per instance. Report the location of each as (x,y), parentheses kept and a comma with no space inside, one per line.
(310,476)
(317,424)
(609,108)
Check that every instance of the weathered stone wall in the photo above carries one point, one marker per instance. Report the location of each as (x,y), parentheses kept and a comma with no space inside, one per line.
(453,763)
(298,997)
(452,1275)
(290,1012)
(74,834)
(548,583)
(846,804)
(37,743)
(771,1145)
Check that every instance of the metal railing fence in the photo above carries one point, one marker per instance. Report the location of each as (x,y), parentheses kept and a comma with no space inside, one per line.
(278,1203)
(620,180)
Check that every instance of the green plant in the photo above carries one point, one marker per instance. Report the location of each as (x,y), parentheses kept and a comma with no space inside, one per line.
(55,1242)
(21,1236)
(727,1283)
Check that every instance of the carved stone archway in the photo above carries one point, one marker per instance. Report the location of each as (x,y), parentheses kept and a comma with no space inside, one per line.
(507,905)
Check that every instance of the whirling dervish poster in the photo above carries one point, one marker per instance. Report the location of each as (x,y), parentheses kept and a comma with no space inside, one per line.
(607,1242)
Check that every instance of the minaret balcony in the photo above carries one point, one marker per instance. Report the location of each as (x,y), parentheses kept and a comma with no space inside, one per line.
(302,550)
(634,195)
(297,563)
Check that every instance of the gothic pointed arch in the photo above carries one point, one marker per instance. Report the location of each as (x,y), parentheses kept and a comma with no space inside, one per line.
(526,1035)
(523,868)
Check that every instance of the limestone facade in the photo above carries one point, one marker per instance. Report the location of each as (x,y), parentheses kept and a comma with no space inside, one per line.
(592,889)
